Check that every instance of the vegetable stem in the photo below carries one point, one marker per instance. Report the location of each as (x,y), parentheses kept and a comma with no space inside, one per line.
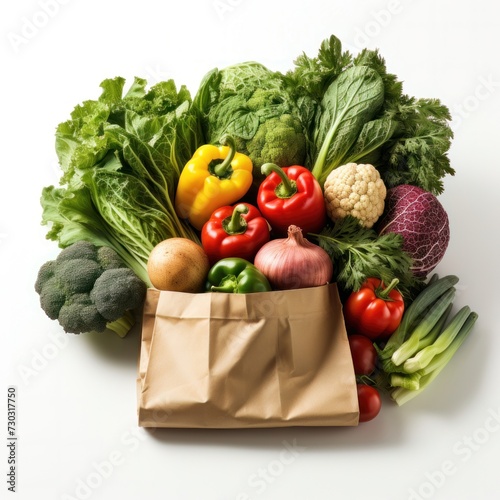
(223,170)
(425,356)
(411,345)
(227,285)
(236,224)
(407,381)
(122,325)
(435,289)
(383,293)
(401,395)
(287,187)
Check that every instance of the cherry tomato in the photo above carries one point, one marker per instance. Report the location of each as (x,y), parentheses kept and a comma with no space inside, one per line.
(364,355)
(369,402)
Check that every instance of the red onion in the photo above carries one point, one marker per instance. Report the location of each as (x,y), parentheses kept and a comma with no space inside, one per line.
(294,262)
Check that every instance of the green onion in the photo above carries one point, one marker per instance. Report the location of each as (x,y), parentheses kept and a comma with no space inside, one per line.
(424,342)
(414,314)
(444,357)
(406,381)
(401,395)
(432,317)
(425,356)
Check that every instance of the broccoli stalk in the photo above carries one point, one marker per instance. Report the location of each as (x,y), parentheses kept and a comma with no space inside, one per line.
(122,325)
(89,288)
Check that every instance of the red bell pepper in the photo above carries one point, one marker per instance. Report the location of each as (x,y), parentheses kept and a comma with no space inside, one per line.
(234,231)
(374,310)
(291,195)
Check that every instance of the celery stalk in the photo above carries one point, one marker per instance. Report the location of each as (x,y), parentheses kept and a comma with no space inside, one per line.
(425,356)
(406,381)
(414,314)
(432,318)
(401,395)
(443,358)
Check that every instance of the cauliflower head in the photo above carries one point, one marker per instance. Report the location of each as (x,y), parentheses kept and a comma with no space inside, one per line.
(356,190)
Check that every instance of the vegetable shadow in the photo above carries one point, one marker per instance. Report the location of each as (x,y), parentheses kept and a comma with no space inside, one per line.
(387,429)
(464,375)
(109,345)
(392,428)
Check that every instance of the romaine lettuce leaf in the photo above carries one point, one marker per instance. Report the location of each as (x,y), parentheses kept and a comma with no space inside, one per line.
(121,156)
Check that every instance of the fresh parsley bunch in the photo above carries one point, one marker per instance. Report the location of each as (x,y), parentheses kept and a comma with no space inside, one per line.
(359,253)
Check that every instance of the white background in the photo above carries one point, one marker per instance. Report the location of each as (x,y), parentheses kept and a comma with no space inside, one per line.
(78,436)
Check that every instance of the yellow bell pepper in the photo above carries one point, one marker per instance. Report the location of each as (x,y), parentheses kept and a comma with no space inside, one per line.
(214,177)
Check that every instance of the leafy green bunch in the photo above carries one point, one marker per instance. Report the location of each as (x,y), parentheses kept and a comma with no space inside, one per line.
(363,116)
(121,156)
(359,253)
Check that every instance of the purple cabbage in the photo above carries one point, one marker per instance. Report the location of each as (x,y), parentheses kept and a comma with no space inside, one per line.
(418,216)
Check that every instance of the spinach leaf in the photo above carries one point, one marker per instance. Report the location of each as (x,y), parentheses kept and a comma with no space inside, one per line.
(352,100)
(373,135)
(409,145)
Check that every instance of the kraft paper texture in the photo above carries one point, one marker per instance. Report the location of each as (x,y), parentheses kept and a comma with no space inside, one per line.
(223,360)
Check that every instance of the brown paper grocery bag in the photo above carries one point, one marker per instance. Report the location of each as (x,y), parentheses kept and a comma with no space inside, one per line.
(222,360)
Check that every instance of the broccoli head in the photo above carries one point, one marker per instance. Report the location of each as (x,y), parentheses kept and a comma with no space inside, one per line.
(79,250)
(78,313)
(109,259)
(88,288)
(115,291)
(77,275)
(255,106)
(271,99)
(279,140)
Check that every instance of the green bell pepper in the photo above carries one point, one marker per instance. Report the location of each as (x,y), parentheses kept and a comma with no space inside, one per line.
(236,275)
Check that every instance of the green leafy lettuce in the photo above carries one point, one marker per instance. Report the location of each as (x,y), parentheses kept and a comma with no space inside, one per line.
(347,108)
(121,156)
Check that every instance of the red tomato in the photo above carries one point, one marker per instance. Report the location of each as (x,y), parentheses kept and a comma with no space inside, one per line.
(364,355)
(369,402)
(375,310)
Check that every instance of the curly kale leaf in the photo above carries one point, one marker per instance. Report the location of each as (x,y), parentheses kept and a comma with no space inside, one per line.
(417,154)
(312,75)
